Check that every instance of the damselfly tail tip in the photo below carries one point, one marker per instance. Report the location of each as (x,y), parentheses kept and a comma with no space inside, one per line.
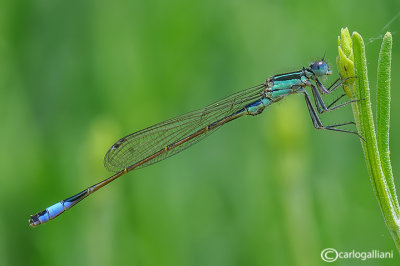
(35,219)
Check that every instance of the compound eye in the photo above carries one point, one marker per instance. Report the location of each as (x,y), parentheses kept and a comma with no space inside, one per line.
(320,68)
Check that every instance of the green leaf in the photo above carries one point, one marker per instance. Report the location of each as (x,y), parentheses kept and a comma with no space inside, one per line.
(345,60)
(383,110)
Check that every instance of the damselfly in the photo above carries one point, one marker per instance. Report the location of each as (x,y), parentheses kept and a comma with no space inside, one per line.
(167,138)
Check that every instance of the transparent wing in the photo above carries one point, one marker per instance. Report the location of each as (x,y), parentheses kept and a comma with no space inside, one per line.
(139,145)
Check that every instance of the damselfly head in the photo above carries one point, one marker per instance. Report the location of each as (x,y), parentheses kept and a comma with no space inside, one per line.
(320,68)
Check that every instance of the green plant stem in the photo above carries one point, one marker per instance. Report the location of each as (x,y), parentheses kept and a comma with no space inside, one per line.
(352,62)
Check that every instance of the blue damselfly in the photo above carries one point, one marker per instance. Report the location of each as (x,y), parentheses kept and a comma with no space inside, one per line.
(167,138)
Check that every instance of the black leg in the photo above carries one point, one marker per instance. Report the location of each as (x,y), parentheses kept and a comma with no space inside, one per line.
(343,124)
(335,101)
(332,87)
(319,103)
(317,121)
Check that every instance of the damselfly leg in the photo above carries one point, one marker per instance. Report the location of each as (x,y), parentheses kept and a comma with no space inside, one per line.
(321,107)
(320,89)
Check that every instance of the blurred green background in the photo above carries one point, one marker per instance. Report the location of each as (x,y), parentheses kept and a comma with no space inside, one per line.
(75,76)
